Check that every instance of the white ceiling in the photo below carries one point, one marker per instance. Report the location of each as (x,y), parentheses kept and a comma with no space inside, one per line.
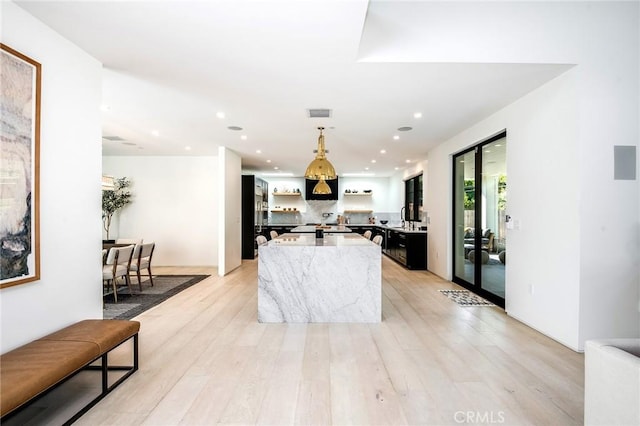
(170,66)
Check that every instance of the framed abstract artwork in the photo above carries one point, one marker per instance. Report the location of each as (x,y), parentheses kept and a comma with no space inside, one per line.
(20,78)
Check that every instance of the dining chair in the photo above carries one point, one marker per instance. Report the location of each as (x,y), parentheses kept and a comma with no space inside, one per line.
(261,240)
(273,234)
(367,235)
(377,240)
(141,259)
(116,266)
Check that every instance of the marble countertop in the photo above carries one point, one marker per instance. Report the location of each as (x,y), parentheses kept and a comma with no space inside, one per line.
(309,240)
(356,224)
(405,230)
(326,228)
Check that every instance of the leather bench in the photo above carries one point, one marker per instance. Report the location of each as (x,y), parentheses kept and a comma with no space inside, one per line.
(28,372)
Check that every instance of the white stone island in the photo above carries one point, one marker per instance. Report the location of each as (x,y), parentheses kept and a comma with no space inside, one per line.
(334,279)
(329,229)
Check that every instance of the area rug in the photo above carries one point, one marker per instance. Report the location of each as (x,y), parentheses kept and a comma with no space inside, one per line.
(131,305)
(466,298)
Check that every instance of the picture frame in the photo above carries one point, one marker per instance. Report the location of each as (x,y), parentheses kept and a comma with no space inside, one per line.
(20,85)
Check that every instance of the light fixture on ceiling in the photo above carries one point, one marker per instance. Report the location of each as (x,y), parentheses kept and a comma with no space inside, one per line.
(320,168)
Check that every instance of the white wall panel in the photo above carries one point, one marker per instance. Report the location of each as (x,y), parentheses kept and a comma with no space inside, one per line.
(175,204)
(70,288)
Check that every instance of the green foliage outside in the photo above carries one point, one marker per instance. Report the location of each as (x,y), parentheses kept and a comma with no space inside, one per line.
(502,192)
(469,194)
(114,200)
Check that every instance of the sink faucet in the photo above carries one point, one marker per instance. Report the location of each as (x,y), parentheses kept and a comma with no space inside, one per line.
(402,216)
(324,217)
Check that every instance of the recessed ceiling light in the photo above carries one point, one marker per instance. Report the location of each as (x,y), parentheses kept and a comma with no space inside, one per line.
(276,168)
(383,151)
(366,168)
(236,128)
(187,148)
(373,161)
(397,168)
(396,137)
(498,144)
(268,161)
(417,115)
(220,114)
(258,151)
(155,133)
(487,151)
(407,161)
(404,129)
(243,137)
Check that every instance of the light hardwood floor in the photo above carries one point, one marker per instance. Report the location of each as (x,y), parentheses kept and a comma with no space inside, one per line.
(205,360)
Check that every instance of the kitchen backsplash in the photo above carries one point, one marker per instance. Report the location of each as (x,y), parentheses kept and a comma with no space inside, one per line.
(314,214)
(359,199)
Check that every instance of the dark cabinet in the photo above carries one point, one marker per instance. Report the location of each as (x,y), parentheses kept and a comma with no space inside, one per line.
(361,229)
(254,213)
(413,199)
(280,229)
(406,248)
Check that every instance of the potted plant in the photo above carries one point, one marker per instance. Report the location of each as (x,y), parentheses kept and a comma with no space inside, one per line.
(113,200)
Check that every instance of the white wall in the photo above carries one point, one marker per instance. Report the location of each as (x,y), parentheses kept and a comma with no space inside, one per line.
(579,242)
(379,200)
(541,127)
(175,204)
(70,288)
(230,211)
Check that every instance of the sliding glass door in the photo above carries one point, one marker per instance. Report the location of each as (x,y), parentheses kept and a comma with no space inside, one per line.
(479,209)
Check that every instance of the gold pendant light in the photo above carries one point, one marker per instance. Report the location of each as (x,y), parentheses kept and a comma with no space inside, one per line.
(321,187)
(321,169)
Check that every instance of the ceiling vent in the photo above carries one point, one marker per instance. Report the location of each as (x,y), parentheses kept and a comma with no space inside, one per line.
(112,138)
(319,112)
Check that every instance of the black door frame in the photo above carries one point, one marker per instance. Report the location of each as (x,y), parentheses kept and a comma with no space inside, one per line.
(475,287)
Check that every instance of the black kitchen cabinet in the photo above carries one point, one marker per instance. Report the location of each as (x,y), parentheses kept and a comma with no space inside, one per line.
(280,229)
(361,229)
(254,213)
(413,199)
(406,248)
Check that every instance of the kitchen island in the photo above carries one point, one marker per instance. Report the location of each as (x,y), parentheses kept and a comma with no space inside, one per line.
(302,279)
(329,229)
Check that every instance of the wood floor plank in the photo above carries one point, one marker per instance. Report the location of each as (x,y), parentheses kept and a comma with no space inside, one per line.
(204,359)
(314,395)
